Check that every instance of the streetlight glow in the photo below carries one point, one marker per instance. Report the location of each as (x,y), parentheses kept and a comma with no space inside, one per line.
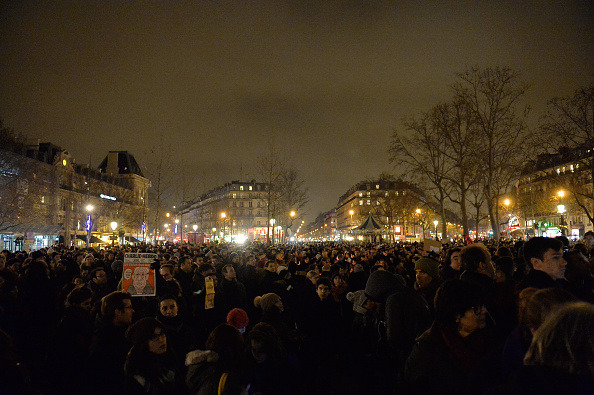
(561,193)
(114,225)
(223,215)
(195,227)
(90,207)
(292,214)
(506,202)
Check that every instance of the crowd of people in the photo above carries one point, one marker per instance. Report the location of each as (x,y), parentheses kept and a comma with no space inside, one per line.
(495,318)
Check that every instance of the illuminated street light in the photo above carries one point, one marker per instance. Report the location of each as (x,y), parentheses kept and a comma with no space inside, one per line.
(561,193)
(114,226)
(167,215)
(177,221)
(292,214)
(418,211)
(195,227)
(90,207)
(506,202)
(435,223)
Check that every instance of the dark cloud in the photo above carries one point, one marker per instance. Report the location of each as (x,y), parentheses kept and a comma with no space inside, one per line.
(327,81)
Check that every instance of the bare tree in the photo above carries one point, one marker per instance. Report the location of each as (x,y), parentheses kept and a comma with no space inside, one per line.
(293,196)
(160,171)
(461,148)
(418,149)
(27,186)
(493,95)
(270,169)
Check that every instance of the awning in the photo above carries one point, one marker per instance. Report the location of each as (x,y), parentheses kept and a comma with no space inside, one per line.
(30,228)
(131,239)
(94,239)
(369,224)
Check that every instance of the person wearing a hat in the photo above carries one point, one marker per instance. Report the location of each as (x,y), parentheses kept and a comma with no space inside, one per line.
(399,315)
(427,279)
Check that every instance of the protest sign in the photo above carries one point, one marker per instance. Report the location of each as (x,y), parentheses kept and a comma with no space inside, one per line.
(138,279)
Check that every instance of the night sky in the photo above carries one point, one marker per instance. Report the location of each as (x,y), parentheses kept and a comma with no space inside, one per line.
(219,80)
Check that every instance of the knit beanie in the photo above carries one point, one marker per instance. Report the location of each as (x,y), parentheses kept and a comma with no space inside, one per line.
(238,318)
(357,298)
(358,268)
(382,284)
(266,301)
(429,266)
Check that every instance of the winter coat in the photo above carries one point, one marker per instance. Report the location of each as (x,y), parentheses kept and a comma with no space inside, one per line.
(441,361)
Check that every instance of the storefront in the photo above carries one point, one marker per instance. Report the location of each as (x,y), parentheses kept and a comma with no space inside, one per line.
(29,237)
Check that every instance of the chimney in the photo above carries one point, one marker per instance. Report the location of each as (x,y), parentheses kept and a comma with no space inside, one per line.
(112,163)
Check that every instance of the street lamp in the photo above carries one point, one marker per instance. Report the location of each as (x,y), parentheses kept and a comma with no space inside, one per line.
(435,223)
(351,212)
(195,227)
(114,226)
(223,216)
(89,223)
(561,210)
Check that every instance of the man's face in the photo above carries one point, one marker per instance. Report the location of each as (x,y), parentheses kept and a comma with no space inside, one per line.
(168,307)
(139,278)
(166,273)
(552,263)
(230,274)
(423,279)
(589,241)
(124,317)
(100,278)
(455,261)
(186,265)
(323,291)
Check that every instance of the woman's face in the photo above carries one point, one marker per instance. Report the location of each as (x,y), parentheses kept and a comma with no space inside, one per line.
(472,320)
(158,342)
(257,352)
(168,307)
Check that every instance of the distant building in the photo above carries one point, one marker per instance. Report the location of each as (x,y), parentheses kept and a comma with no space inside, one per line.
(234,211)
(392,203)
(47,197)
(547,192)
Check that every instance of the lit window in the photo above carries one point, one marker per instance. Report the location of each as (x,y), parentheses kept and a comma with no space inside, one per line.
(377,202)
(250,187)
(558,170)
(241,187)
(234,196)
(387,194)
(376,186)
(368,193)
(368,202)
(360,202)
(43,199)
(571,167)
(360,194)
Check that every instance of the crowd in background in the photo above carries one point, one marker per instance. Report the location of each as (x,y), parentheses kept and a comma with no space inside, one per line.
(511,317)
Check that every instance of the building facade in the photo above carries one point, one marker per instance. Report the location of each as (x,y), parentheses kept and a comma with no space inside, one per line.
(47,198)
(235,211)
(393,203)
(554,192)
